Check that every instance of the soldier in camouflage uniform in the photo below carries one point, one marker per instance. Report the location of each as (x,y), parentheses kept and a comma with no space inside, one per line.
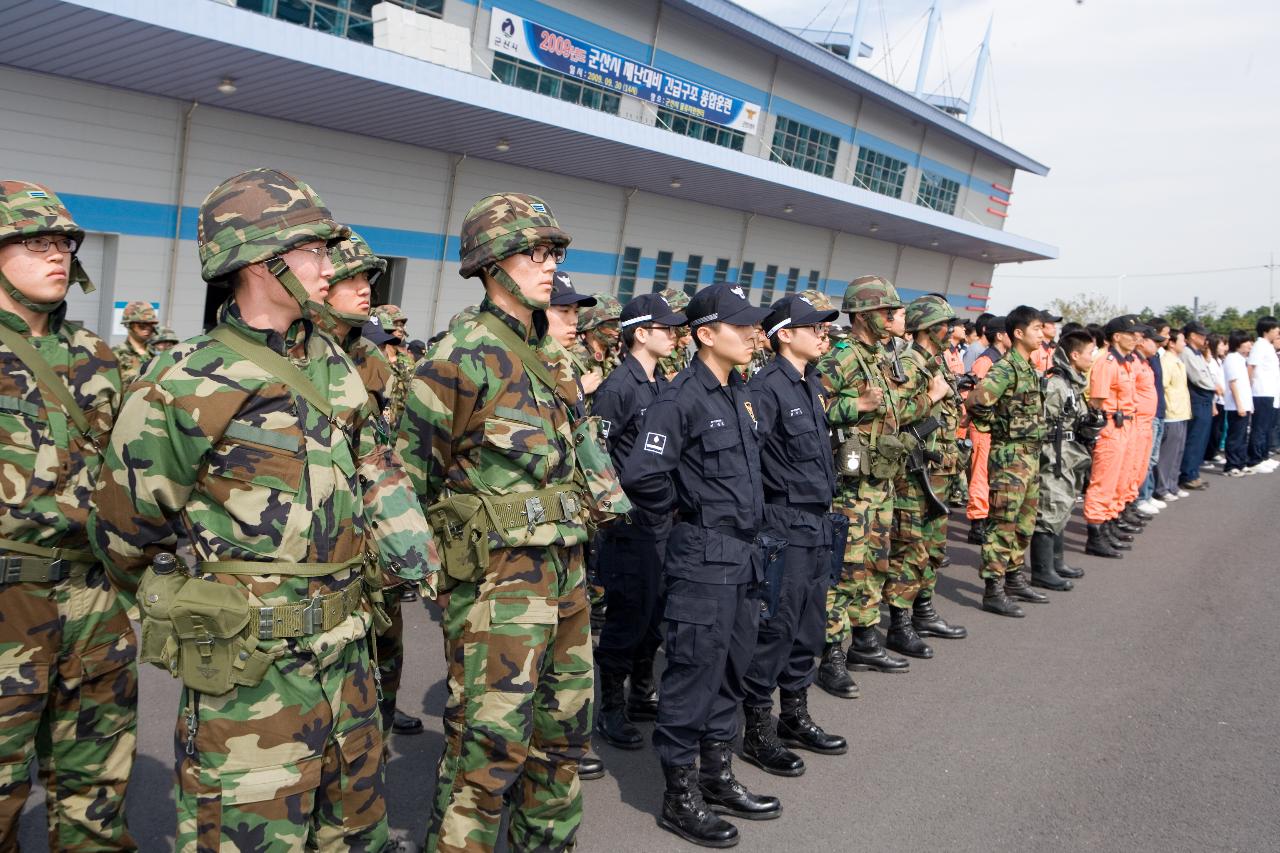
(165,340)
(1009,404)
(355,270)
(247,440)
(679,358)
(139,320)
(391,318)
(68,656)
(599,334)
(487,439)
(866,409)
(929,320)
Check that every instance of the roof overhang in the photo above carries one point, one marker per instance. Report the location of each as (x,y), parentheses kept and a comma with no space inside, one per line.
(182,50)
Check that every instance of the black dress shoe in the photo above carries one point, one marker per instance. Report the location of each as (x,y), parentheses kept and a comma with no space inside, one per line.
(726,795)
(590,767)
(761,747)
(797,729)
(685,813)
(404,724)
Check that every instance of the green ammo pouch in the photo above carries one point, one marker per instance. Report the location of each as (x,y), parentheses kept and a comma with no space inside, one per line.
(461,527)
(216,653)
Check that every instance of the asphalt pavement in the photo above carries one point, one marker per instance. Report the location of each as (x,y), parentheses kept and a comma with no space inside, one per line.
(1138,712)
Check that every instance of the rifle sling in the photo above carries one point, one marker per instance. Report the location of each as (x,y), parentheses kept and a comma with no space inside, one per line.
(46,376)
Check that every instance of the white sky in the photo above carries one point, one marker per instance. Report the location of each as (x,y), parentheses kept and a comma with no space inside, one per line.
(1159,120)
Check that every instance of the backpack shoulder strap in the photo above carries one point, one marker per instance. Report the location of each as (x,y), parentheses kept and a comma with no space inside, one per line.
(46,376)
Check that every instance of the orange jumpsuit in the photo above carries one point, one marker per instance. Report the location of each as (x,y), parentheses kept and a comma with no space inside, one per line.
(978,491)
(1042,358)
(1138,453)
(1112,380)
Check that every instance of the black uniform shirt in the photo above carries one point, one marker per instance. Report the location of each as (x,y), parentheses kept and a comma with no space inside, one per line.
(696,452)
(795,442)
(621,402)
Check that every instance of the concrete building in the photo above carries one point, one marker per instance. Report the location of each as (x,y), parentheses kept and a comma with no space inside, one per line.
(681,142)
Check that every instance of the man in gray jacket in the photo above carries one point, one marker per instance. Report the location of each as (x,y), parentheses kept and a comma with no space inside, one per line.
(1201,384)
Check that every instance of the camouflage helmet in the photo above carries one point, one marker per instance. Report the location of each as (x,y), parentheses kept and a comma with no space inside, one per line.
(468,313)
(389,316)
(165,335)
(138,312)
(499,226)
(256,216)
(352,256)
(677,299)
(869,292)
(29,210)
(928,311)
(607,308)
(817,299)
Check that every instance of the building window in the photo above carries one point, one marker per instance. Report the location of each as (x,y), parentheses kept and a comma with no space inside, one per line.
(770,279)
(691,273)
(627,274)
(707,131)
(815,279)
(745,274)
(544,81)
(722,271)
(793,279)
(937,192)
(805,148)
(662,272)
(351,19)
(880,173)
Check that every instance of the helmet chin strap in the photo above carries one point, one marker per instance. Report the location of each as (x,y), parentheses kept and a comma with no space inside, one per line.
(25,301)
(878,323)
(507,283)
(278,268)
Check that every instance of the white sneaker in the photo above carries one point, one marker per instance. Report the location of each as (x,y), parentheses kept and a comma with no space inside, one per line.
(1220,459)
(1183,493)
(1236,472)
(1147,508)
(1159,504)
(1260,468)
(1269,464)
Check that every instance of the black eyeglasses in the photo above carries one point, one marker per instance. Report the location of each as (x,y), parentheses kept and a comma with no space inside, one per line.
(40,245)
(539,254)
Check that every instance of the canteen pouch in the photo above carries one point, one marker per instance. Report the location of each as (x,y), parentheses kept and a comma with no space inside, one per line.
(889,458)
(156,596)
(608,501)
(775,564)
(839,541)
(209,620)
(853,457)
(461,528)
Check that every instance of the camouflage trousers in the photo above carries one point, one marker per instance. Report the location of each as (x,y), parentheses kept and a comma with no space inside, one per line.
(293,763)
(390,650)
(518,717)
(854,599)
(1014,478)
(908,551)
(935,532)
(69,699)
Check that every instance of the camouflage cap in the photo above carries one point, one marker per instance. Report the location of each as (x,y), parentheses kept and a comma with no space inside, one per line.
(165,335)
(352,256)
(390,316)
(607,308)
(928,311)
(869,292)
(256,216)
(677,299)
(499,226)
(139,312)
(27,210)
(818,299)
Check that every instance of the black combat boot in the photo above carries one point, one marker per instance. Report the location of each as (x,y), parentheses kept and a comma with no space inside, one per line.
(590,767)
(685,813)
(833,676)
(1099,544)
(406,724)
(994,599)
(726,795)
(928,623)
(902,636)
(1043,573)
(1060,559)
(761,747)
(1124,530)
(977,531)
(611,716)
(1119,541)
(642,698)
(1017,585)
(1135,518)
(865,652)
(798,730)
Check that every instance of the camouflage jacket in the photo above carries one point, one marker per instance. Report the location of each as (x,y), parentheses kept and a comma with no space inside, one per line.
(214,447)
(946,410)
(397,389)
(605,365)
(1008,402)
(130,361)
(48,469)
(672,364)
(850,369)
(476,422)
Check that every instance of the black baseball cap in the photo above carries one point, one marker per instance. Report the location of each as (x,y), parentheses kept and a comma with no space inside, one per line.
(795,310)
(1123,323)
(1151,333)
(1047,316)
(1194,327)
(723,303)
(562,292)
(650,308)
(376,332)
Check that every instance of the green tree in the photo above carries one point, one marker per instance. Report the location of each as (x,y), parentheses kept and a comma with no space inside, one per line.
(1086,308)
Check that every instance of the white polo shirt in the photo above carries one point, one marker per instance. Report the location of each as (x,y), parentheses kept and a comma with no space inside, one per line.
(1266,369)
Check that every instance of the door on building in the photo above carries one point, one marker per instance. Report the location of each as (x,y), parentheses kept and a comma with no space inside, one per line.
(96,255)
